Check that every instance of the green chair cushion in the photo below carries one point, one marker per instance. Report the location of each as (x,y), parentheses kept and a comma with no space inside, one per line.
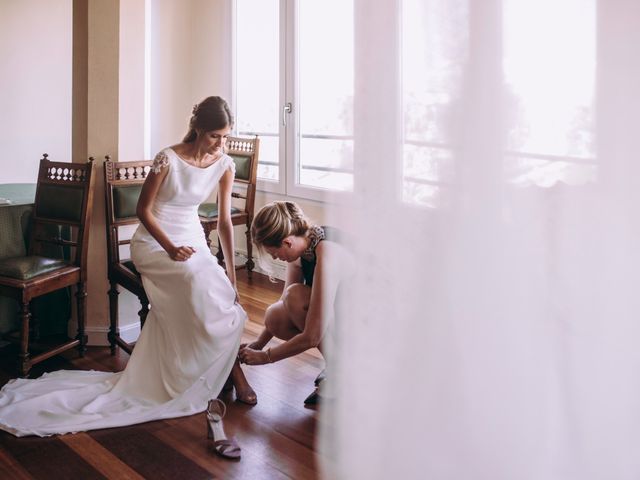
(242,167)
(25,268)
(210,210)
(59,202)
(125,200)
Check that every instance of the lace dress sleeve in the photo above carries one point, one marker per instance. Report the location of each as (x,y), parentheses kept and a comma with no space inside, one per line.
(161,161)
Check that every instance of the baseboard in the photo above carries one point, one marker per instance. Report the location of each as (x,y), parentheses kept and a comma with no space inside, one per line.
(99,336)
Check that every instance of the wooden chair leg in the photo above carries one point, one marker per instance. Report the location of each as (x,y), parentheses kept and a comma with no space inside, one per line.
(24,361)
(113,316)
(143,311)
(249,263)
(81,298)
(207,232)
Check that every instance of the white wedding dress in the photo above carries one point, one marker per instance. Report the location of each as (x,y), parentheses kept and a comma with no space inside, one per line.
(187,347)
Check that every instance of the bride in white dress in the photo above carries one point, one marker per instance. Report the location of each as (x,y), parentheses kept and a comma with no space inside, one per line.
(188,347)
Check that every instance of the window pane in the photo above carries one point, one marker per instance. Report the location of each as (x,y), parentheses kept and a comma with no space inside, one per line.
(325,59)
(434,52)
(268,155)
(257,76)
(550,78)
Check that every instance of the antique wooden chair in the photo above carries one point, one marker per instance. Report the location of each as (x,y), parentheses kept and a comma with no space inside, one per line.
(123,184)
(244,152)
(59,228)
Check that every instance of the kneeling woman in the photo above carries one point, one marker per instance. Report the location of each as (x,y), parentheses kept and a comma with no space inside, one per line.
(317,265)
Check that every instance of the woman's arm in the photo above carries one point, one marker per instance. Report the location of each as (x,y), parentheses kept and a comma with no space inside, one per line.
(147,197)
(225,227)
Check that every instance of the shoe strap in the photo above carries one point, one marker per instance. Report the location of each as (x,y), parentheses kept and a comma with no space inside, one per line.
(213,415)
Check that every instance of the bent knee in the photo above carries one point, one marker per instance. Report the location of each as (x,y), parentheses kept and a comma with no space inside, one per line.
(274,316)
(296,298)
(278,322)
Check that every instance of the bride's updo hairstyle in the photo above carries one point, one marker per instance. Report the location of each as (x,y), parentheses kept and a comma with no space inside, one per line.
(212,113)
(275,222)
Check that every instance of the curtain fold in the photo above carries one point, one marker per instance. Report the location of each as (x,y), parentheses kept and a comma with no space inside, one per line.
(494,326)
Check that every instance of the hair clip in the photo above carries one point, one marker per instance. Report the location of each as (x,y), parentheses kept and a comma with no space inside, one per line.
(195,109)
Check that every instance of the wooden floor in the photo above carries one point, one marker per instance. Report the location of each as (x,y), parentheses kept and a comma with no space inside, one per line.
(277,435)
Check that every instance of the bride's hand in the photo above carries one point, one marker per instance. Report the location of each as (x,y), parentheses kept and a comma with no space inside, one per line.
(181,254)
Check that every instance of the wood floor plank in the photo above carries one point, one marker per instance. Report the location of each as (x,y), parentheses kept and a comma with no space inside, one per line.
(48,458)
(259,458)
(274,443)
(188,435)
(281,441)
(99,457)
(145,453)
(11,469)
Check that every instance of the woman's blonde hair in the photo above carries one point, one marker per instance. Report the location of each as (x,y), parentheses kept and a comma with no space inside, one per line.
(276,221)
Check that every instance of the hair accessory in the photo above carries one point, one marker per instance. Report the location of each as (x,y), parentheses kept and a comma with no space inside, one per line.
(195,109)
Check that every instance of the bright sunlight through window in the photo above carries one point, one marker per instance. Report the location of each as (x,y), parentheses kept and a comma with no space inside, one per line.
(549,65)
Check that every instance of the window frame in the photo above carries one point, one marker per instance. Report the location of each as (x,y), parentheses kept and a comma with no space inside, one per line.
(289,93)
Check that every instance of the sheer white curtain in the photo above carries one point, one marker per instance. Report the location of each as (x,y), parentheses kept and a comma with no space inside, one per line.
(494,330)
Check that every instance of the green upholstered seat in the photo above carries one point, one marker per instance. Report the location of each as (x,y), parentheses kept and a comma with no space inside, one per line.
(243,166)
(125,200)
(25,268)
(60,202)
(210,210)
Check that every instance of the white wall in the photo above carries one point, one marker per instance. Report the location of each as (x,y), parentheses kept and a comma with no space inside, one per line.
(35,85)
(171,72)
(132,128)
(190,58)
(211,37)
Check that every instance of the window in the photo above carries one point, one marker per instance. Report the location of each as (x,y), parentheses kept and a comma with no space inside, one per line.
(550,80)
(544,77)
(294,88)
(434,52)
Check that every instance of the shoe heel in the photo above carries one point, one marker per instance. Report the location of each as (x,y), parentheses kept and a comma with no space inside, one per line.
(223,446)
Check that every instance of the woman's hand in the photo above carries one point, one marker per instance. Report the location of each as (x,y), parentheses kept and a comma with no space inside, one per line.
(252,357)
(181,254)
(253,345)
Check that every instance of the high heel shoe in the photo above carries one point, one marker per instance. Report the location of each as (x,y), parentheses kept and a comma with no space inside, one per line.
(223,446)
(244,392)
(246,395)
